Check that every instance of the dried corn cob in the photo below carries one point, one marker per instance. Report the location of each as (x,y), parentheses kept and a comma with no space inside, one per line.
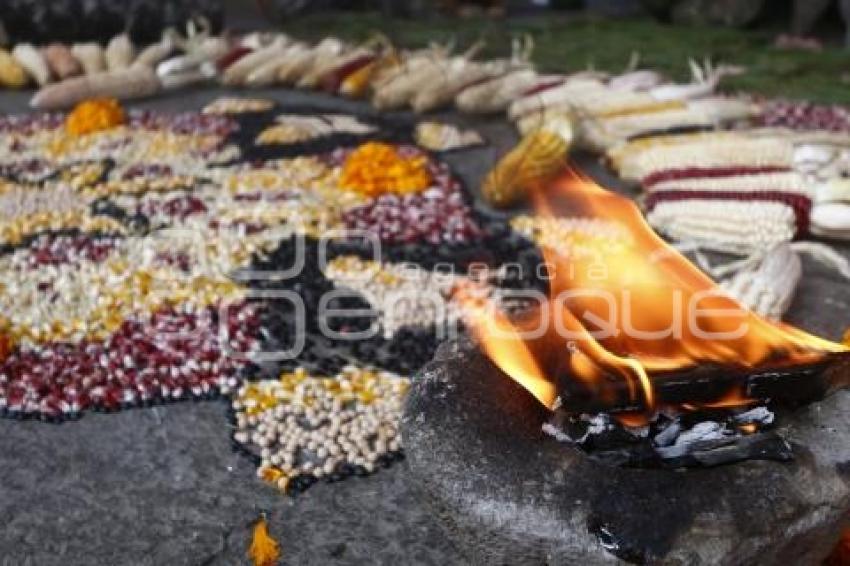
(236,73)
(301,64)
(91,56)
(732,226)
(767,285)
(120,53)
(622,154)
(437,136)
(706,78)
(443,90)
(830,217)
(205,53)
(730,150)
(267,73)
(323,66)
(130,83)
(638,80)
(154,54)
(12,74)
(398,88)
(536,159)
(561,96)
(33,62)
(495,95)
(61,61)
(784,181)
(358,83)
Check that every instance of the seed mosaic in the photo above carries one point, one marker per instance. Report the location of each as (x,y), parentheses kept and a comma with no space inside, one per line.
(141,254)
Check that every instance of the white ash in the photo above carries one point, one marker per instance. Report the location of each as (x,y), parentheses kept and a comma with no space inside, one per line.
(759,415)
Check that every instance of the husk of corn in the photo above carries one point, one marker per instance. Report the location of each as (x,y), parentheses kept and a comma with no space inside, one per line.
(12,74)
(358,83)
(767,287)
(237,73)
(496,94)
(538,158)
(563,96)
(437,136)
(301,63)
(442,91)
(136,82)
(120,53)
(91,56)
(154,54)
(400,90)
(209,50)
(33,62)
(267,73)
(325,64)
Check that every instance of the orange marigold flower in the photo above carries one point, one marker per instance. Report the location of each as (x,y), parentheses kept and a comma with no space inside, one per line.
(94,115)
(376,168)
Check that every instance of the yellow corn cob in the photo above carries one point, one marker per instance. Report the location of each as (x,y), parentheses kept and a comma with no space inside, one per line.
(537,158)
(12,75)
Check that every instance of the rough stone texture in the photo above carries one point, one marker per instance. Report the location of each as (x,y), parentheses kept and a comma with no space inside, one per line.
(507,493)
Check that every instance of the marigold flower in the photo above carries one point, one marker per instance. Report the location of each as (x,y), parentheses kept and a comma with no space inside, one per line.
(94,115)
(376,168)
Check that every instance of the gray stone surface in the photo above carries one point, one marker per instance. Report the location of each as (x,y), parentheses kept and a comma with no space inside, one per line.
(509,494)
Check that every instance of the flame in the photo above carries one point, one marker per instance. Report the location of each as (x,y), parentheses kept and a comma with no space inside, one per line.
(625,306)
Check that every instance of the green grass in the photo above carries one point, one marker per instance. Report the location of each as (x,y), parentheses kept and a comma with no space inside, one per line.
(566,43)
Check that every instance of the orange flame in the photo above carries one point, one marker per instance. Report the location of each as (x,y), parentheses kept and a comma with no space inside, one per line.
(625,305)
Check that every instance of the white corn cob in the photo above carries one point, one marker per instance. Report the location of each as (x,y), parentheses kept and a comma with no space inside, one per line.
(90,56)
(724,109)
(706,78)
(410,62)
(636,80)
(302,63)
(267,73)
(726,151)
(437,136)
(624,155)
(459,73)
(206,53)
(323,65)
(130,83)
(603,133)
(740,227)
(495,95)
(402,88)
(239,71)
(789,182)
(33,62)
(154,54)
(562,96)
(767,285)
(120,53)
